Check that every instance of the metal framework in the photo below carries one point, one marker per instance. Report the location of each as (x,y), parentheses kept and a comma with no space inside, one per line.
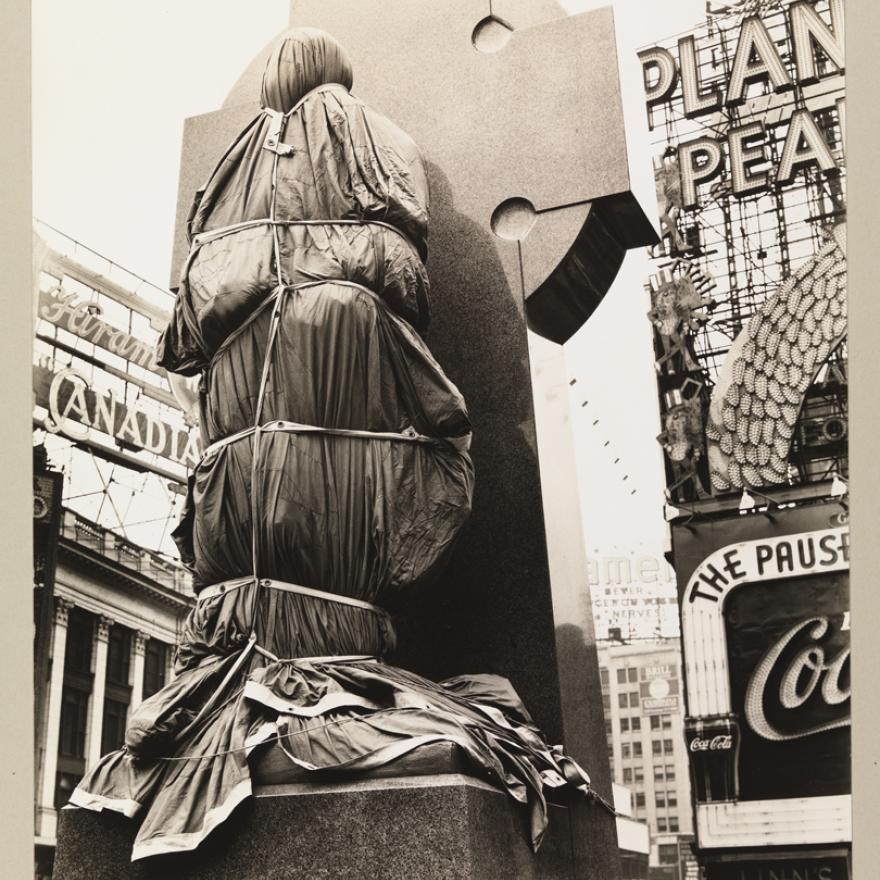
(748,245)
(128,490)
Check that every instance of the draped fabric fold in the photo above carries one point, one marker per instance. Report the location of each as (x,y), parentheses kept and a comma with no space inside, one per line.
(336,477)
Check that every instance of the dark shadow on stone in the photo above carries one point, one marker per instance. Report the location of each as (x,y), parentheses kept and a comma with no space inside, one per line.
(490,611)
(594,845)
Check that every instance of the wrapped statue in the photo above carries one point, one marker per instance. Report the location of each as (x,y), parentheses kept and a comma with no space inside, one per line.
(335,477)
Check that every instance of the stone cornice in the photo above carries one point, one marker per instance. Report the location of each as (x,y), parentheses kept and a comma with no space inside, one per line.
(84,558)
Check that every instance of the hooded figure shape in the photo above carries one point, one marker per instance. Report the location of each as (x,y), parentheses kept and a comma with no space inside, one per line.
(335,476)
(302,60)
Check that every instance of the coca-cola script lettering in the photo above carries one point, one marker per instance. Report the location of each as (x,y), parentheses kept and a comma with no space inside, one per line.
(716,743)
(797,668)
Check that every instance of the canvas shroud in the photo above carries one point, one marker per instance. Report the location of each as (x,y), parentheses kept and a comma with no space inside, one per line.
(335,477)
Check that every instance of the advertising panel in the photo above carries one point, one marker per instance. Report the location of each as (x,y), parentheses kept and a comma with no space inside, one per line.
(748,294)
(64,309)
(748,304)
(802,867)
(102,408)
(658,690)
(74,407)
(788,660)
(765,637)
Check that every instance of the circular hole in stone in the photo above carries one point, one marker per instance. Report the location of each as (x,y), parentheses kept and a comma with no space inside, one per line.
(491,35)
(513,219)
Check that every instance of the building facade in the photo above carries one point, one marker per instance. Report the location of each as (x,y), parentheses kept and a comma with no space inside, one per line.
(641,693)
(116,613)
(111,453)
(633,837)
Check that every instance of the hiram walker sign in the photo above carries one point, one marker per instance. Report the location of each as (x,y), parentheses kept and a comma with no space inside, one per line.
(756,58)
(62,309)
(74,407)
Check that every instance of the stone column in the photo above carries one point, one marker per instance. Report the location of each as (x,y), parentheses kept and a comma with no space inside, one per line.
(139,645)
(96,718)
(53,719)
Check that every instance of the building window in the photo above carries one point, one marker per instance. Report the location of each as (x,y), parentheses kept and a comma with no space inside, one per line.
(65,783)
(633,674)
(672,799)
(667,746)
(78,653)
(603,677)
(624,725)
(608,728)
(76,689)
(637,724)
(118,655)
(658,774)
(74,714)
(606,702)
(634,698)
(621,676)
(667,722)
(118,692)
(667,853)
(656,747)
(72,742)
(670,772)
(673,824)
(640,799)
(655,722)
(621,701)
(113,725)
(661,823)
(637,750)
(638,774)
(624,750)
(661,799)
(627,774)
(155,662)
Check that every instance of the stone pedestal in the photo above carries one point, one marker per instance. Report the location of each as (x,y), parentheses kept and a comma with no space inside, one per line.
(445,826)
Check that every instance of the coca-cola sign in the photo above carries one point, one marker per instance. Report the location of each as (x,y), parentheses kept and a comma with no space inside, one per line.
(716,743)
(713,744)
(765,637)
(795,671)
(788,657)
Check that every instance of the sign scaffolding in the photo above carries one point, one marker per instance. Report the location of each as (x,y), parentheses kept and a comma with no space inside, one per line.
(748,304)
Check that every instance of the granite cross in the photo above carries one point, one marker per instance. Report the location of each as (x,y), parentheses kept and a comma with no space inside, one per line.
(535,196)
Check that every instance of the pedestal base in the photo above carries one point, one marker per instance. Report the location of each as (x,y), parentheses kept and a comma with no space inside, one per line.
(441,826)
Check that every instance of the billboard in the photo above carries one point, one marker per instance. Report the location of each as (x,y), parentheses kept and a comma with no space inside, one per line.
(748,297)
(658,689)
(765,643)
(75,409)
(102,408)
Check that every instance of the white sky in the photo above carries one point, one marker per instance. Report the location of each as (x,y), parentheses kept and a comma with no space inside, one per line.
(112,84)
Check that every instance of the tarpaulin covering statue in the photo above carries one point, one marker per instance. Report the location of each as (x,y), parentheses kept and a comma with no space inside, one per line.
(335,476)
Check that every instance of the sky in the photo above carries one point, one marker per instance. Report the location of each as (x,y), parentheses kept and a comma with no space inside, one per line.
(113,82)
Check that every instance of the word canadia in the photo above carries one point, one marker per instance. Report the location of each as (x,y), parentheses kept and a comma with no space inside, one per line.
(818,51)
(74,407)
